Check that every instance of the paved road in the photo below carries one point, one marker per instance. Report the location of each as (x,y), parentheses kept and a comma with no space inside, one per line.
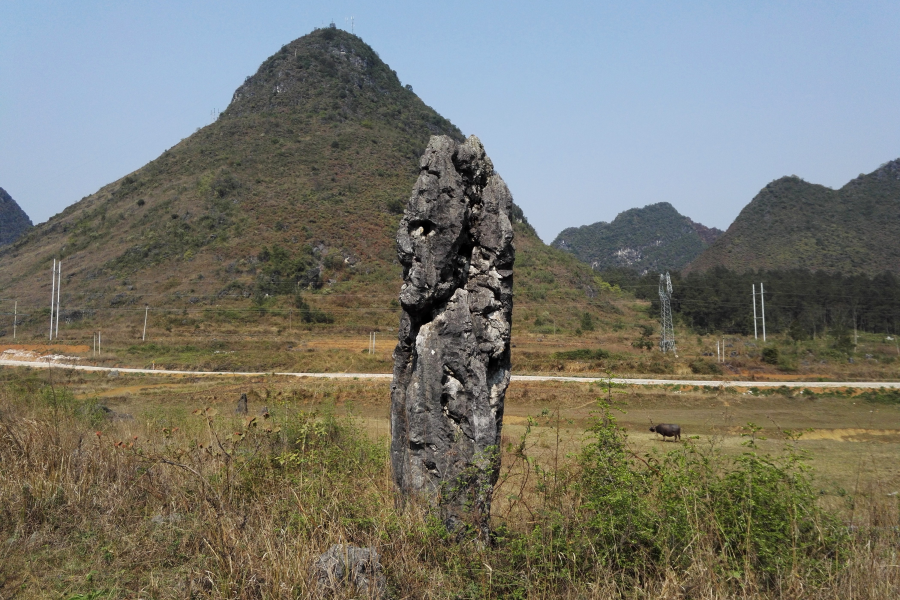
(715,383)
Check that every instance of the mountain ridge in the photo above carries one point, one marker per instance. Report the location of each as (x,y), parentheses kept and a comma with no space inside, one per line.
(792,224)
(655,237)
(14,222)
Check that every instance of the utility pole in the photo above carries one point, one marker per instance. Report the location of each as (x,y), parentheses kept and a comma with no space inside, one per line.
(762,303)
(15,317)
(58,286)
(667,338)
(753,288)
(52,296)
(146,311)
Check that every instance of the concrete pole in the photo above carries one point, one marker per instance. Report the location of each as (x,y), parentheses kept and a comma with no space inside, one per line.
(58,286)
(146,311)
(762,303)
(753,288)
(52,296)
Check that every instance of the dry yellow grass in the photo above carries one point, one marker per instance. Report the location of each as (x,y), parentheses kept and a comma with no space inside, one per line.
(177,519)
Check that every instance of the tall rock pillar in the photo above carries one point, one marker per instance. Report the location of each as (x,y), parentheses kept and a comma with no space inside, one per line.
(452,360)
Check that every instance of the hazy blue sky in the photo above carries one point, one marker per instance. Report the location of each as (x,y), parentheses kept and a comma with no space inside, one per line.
(586,108)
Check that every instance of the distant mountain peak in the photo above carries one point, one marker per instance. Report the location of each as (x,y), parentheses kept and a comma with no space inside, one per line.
(653,238)
(329,71)
(889,170)
(795,224)
(13,220)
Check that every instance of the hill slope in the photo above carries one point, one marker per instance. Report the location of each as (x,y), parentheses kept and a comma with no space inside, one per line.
(298,185)
(792,224)
(13,220)
(653,238)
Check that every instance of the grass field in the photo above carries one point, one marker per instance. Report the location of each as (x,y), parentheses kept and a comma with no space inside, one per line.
(273,345)
(852,442)
(148,499)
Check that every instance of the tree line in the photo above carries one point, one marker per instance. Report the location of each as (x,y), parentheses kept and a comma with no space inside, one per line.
(802,303)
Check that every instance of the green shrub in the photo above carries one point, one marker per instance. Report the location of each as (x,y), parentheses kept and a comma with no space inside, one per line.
(309,314)
(770,355)
(883,396)
(644,516)
(396,206)
(582,354)
(702,367)
(587,322)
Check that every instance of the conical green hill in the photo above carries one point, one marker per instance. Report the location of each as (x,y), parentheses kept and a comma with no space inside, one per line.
(653,238)
(792,224)
(298,185)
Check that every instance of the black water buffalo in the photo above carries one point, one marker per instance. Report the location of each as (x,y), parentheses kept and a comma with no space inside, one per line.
(667,430)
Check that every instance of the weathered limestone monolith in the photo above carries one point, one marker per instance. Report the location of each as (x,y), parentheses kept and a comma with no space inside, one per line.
(452,361)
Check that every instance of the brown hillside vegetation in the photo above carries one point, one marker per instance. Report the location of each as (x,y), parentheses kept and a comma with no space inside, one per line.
(298,186)
(792,224)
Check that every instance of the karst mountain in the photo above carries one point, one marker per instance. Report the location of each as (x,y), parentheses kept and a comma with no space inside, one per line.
(653,238)
(793,224)
(298,185)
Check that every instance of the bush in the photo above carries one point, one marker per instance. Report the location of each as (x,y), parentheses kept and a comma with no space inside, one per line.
(395,206)
(702,367)
(582,354)
(884,396)
(645,516)
(309,314)
(283,272)
(770,355)
(587,322)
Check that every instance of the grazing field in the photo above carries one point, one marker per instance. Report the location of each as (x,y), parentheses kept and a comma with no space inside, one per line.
(152,486)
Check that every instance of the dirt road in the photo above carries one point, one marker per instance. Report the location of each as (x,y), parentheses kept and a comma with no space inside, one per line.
(44,364)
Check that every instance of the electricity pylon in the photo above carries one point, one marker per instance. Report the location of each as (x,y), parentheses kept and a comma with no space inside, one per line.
(667,335)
